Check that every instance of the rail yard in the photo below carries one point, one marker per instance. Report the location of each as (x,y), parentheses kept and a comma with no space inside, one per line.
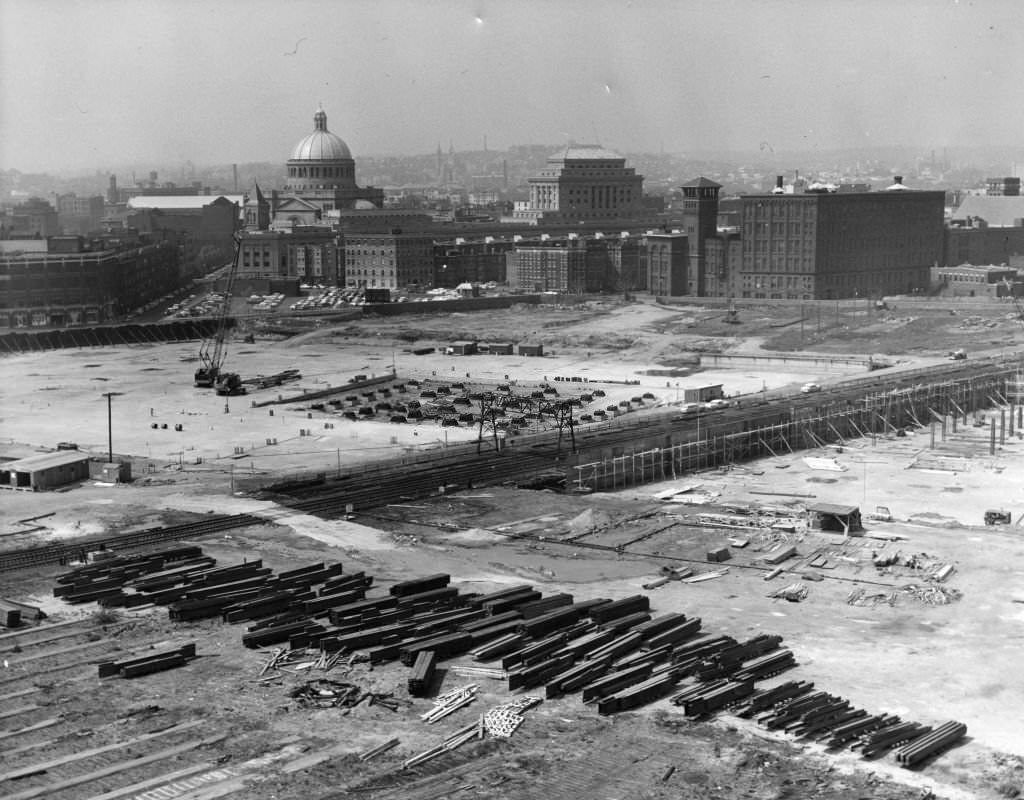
(557,579)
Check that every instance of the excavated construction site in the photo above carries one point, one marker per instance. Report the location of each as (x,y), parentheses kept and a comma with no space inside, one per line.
(835,619)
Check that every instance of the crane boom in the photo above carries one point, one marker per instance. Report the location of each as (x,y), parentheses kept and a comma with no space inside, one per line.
(213,350)
(1018,307)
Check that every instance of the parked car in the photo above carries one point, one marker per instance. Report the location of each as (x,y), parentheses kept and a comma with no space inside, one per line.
(690,409)
(809,388)
(717,404)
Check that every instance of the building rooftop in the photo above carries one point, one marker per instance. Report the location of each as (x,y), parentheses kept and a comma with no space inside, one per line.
(184,202)
(45,461)
(998,212)
(585,152)
(12,246)
(321,144)
(701,183)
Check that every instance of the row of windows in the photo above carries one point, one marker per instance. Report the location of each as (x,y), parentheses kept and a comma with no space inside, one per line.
(319,172)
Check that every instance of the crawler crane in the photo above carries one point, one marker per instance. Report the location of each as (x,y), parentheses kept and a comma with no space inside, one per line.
(213,350)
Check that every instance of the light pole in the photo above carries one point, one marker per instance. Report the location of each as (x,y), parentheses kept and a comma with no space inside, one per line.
(110,426)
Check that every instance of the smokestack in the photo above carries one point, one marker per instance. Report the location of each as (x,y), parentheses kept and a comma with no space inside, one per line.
(234,170)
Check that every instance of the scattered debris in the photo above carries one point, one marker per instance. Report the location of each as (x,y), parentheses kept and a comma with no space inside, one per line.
(827,464)
(676,573)
(324,693)
(379,750)
(794,593)
(475,730)
(780,554)
(932,595)
(472,671)
(449,702)
(706,576)
(502,721)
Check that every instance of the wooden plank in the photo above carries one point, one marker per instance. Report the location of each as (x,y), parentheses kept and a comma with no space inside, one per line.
(113,769)
(53,653)
(19,710)
(20,693)
(8,752)
(159,780)
(311,760)
(36,628)
(65,635)
(46,723)
(95,751)
(37,673)
(220,789)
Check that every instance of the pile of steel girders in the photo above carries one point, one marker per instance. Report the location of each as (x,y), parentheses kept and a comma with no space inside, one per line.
(615,654)
(145,665)
(105,580)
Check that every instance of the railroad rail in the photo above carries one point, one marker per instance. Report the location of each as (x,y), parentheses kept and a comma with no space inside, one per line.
(56,553)
(374,488)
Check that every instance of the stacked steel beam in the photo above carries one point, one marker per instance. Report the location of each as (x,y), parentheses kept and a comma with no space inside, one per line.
(144,665)
(422,675)
(942,738)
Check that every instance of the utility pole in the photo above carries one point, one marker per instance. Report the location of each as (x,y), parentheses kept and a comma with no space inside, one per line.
(110,425)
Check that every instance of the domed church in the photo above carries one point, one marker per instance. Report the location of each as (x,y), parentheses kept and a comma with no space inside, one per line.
(321,171)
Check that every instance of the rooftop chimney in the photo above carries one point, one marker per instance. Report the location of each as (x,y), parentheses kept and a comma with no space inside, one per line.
(778,185)
(898,179)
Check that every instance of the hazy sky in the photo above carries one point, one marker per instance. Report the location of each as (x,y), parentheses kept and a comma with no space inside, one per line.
(90,83)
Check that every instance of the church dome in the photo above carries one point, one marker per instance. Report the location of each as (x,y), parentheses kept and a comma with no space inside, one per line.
(321,144)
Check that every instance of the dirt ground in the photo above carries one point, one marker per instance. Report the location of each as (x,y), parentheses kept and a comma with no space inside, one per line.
(58,396)
(924,662)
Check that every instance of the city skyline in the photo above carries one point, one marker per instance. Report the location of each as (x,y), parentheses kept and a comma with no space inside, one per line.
(155,81)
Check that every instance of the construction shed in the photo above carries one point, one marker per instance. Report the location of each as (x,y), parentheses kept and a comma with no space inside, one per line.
(44,471)
(502,348)
(836,518)
(531,349)
(703,394)
(462,348)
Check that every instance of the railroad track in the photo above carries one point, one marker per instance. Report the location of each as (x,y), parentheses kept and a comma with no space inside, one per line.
(397,481)
(56,553)
(111,757)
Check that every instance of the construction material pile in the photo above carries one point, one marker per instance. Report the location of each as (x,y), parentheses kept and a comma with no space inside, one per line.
(106,580)
(304,659)
(614,653)
(931,594)
(323,693)
(928,593)
(450,702)
(794,593)
(145,665)
(502,721)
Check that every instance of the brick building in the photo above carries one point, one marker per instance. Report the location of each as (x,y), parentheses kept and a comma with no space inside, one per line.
(463,261)
(304,254)
(627,263)
(969,281)
(668,260)
(825,245)
(79,281)
(571,265)
(392,260)
(79,215)
(33,219)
